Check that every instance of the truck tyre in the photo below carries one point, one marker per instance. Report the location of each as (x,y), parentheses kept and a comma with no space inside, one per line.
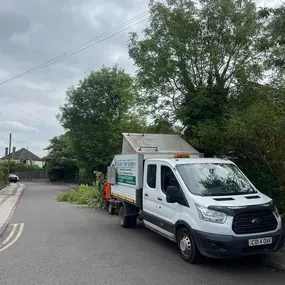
(111,209)
(187,247)
(133,222)
(124,220)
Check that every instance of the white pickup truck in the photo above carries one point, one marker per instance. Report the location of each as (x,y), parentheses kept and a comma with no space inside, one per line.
(206,205)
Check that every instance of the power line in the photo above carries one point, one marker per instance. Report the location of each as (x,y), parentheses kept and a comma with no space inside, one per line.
(85,45)
(79,48)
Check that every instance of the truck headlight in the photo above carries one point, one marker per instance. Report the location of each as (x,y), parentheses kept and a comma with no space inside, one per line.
(208,215)
(275,211)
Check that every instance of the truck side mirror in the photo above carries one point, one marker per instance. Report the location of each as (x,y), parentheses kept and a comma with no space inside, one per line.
(172,194)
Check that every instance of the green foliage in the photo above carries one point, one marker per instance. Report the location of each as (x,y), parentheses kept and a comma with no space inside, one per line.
(272,43)
(84,176)
(91,196)
(80,197)
(162,125)
(18,166)
(3,175)
(253,136)
(26,167)
(95,113)
(133,123)
(60,163)
(256,138)
(69,196)
(192,53)
(13,164)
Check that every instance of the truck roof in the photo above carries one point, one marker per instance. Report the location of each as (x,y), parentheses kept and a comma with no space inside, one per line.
(155,143)
(175,161)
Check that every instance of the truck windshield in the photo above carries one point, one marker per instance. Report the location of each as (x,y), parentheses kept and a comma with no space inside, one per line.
(214,179)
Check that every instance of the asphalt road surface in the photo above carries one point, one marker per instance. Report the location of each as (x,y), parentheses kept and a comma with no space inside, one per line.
(58,243)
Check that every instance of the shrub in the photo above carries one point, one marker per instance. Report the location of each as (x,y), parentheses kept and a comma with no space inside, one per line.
(69,196)
(91,196)
(3,175)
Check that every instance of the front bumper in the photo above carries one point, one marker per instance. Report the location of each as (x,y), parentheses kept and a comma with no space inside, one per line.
(224,246)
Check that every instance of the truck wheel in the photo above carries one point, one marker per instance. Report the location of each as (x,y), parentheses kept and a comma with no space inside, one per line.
(124,220)
(187,247)
(133,222)
(111,209)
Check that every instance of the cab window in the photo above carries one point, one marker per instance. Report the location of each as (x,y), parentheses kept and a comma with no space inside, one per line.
(168,178)
(151,176)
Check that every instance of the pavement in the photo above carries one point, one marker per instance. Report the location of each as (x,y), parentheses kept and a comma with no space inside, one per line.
(54,243)
(9,198)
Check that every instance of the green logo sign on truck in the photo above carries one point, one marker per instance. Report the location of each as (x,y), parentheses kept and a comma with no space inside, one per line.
(126,171)
(126,179)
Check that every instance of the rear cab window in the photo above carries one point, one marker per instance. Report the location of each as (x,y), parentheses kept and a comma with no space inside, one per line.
(151,175)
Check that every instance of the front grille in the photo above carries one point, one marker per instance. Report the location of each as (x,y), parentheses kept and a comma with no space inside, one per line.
(254,222)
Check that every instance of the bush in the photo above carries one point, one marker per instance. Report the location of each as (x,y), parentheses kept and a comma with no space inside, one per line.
(17,166)
(82,196)
(69,196)
(263,179)
(3,175)
(91,196)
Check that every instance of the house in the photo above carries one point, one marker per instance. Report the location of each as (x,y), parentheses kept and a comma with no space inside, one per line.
(160,145)
(23,155)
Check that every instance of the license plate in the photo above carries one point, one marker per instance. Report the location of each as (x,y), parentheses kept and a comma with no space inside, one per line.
(260,241)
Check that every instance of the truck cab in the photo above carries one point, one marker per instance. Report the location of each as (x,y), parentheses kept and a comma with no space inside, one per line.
(209,207)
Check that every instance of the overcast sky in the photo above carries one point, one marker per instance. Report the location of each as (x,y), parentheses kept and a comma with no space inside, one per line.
(34,31)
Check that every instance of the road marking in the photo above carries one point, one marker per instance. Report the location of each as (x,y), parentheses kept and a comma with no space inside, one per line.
(16,237)
(10,235)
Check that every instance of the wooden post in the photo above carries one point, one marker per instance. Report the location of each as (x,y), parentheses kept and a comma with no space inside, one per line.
(9,153)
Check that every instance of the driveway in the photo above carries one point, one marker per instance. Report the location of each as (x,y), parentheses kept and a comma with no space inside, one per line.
(59,243)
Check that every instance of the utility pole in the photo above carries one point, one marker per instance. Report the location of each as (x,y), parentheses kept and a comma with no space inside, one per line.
(9,153)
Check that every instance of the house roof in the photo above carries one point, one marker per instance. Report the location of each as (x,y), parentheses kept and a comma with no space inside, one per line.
(158,143)
(23,154)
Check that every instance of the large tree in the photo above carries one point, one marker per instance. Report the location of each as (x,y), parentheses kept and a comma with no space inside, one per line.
(60,162)
(191,56)
(95,112)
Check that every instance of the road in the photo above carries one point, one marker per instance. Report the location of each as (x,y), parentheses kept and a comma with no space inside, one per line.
(65,244)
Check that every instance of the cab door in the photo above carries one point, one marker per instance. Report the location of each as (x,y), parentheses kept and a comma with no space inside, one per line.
(168,213)
(150,191)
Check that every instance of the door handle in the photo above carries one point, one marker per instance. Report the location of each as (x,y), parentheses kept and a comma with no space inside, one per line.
(159,199)
(146,194)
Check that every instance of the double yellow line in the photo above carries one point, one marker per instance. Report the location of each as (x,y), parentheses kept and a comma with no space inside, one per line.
(13,236)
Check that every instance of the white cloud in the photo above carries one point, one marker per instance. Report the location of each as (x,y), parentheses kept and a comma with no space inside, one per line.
(17,127)
(94,12)
(43,86)
(4,74)
(26,38)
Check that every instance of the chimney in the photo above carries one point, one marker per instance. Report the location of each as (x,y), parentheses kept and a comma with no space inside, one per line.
(13,153)
(6,152)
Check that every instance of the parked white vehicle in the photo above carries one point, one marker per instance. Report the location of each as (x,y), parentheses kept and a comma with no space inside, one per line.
(13,178)
(207,206)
